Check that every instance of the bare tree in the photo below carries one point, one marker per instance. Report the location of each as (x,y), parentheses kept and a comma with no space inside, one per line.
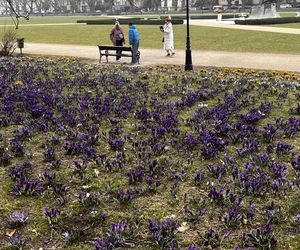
(111,4)
(183,3)
(74,5)
(152,4)
(92,5)
(200,3)
(229,3)
(39,5)
(42,5)
(157,4)
(131,5)
(16,14)
(56,5)
(175,4)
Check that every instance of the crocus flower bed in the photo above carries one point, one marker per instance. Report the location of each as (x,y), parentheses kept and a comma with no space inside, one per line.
(113,157)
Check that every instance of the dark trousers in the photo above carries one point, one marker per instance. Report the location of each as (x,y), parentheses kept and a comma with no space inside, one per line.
(135,49)
(119,43)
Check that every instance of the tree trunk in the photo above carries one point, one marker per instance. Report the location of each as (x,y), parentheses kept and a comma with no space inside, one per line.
(183,5)
(243,5)
(131,4)
(38,6)
(92,5)
(157,3)
(24,6)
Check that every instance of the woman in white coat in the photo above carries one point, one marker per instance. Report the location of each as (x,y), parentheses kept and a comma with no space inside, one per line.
(168,37)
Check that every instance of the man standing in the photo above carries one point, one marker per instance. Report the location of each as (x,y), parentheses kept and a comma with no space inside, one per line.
(168,37)
(134,40)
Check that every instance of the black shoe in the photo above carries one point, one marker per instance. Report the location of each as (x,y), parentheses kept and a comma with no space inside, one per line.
(173,53)
(168,55)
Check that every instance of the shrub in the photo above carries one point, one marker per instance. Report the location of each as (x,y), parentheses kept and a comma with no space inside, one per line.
(183,17)
(264,21)
(126,21)
(134,19)
(8,42)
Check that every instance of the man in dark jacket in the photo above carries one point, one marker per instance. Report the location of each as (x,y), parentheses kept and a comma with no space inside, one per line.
(134,40)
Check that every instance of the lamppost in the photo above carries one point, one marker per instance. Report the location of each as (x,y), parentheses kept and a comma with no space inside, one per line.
(188,52)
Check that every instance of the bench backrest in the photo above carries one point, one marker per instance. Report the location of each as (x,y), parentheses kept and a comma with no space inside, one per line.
(104,47)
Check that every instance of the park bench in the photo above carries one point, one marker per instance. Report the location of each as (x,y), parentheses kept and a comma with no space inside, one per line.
(107,51)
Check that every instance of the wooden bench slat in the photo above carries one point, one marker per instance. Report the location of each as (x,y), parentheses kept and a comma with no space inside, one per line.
(101,47)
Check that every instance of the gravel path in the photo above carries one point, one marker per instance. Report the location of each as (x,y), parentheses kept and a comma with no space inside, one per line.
(156,56)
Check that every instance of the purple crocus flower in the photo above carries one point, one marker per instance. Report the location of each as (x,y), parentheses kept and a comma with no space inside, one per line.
(16,242)
(17,219)
(193,247)
(116,144)
(52,215)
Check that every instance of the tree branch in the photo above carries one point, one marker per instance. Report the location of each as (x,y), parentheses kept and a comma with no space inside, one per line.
(18,15)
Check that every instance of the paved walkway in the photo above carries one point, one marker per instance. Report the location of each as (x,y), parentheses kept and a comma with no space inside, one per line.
(200,58)
(229,24)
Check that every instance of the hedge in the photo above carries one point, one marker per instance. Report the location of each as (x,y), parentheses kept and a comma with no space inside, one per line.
(178,17)
(224,16)
(133,19)
(262,21)
(127,21)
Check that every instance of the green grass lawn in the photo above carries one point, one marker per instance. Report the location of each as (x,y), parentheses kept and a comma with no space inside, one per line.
(202,38)
(287,14)
(287,25)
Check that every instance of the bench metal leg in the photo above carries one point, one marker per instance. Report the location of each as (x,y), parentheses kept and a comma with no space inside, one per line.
(138,57)
(106,54)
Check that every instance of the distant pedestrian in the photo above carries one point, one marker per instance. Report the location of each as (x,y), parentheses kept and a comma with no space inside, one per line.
(117,37)
(134,41)
(168,37)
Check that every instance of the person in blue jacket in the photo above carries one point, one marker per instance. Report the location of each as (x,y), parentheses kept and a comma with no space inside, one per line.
(134,40)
